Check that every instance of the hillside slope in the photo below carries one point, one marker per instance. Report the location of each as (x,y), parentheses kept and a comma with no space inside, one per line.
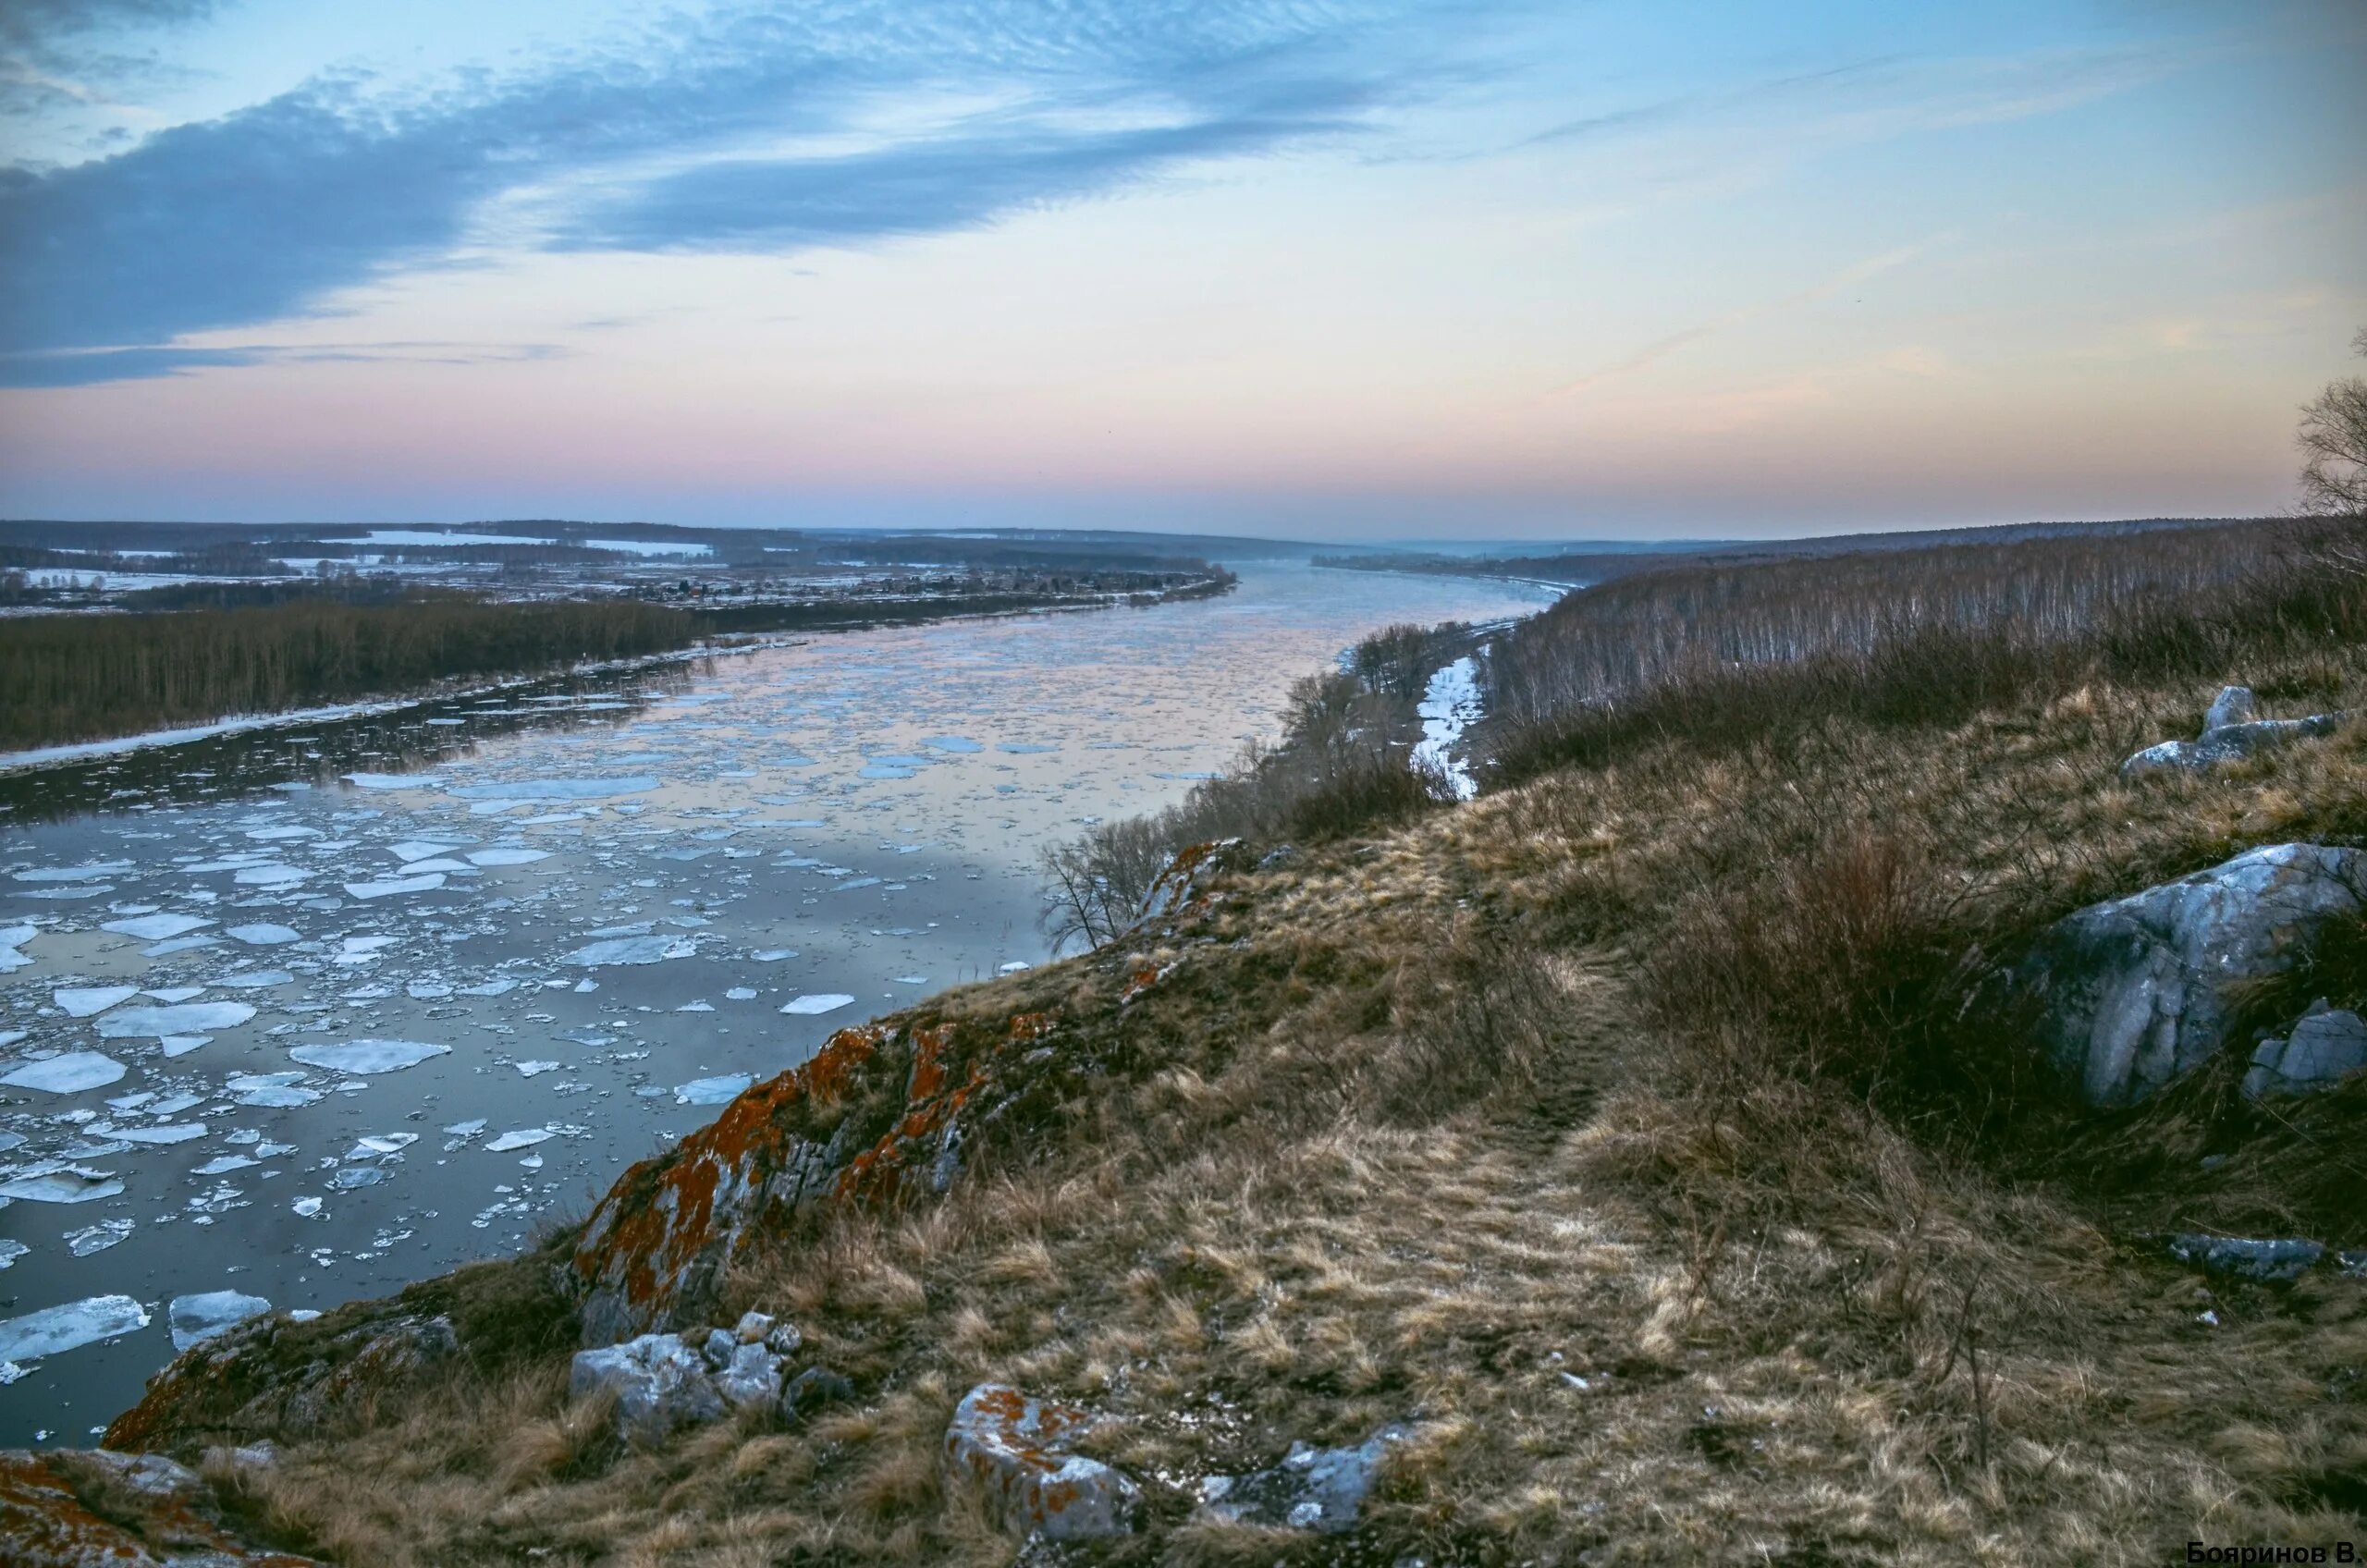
(1622,1145)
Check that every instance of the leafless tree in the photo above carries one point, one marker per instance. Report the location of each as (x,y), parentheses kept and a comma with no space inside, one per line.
(2333,444)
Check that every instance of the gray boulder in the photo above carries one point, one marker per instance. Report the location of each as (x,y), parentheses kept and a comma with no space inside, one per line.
(813,1388)
(1313,1488)
(752,1377)
(2325,1046)
(1015,1451)
(660,1384)
(2230,733)
(2131,991)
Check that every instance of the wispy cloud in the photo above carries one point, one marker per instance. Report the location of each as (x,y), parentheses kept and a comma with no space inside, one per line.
(265,213)
(1659,349)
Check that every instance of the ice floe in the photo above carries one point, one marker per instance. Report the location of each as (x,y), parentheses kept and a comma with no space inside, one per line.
(713,1091)
(392,886)
(263,934)
(83,1002)
(179,1018)
(630,951)
(367,1057)
(522,1138)
(70,1326)
(196,1318)
(62,1183)
(155,927)
(69,1074)
(816,1002)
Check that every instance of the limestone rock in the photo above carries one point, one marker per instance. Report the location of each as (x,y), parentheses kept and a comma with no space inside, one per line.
(1312,1488)
(752,1326)
(2324,1047)
(660,1384)
(1017,1452)
(2130,991)
(98,1509)
(752,1377)
(2230,733)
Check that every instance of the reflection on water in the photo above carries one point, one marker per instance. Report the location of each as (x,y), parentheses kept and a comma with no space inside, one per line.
(302,1016)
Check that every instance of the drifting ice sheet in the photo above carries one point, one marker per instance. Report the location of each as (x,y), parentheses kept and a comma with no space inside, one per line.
(185,1018)
(55,1328)
(816,1002)
(199,1317)
(712,1091)
(368,1056)
(68,1074)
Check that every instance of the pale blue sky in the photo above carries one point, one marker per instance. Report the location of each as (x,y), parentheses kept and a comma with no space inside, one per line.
(1320,268)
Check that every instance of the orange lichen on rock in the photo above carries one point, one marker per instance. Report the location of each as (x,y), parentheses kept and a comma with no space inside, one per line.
(1015,1452)
(153,1513)
(670,1221)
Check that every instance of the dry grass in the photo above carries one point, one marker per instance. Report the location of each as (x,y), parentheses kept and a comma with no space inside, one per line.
(1605,1131)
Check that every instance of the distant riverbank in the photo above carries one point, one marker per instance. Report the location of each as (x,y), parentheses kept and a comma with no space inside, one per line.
(84,679)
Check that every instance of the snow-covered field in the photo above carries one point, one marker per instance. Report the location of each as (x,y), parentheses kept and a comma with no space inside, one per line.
(394,990)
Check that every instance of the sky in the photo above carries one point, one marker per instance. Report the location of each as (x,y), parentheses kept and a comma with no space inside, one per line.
(1313,268)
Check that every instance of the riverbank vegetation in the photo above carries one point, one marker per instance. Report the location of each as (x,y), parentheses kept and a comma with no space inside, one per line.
(86,676)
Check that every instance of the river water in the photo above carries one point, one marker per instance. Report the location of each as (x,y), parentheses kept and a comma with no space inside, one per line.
(300,1016)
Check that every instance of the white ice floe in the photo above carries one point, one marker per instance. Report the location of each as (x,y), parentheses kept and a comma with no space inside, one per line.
(1014,967)
(254,979)
(739,994)
(83,1002)
(62,1183)
(155,927)
(11,1249)
(354,1176)
(270,1090)
(368,1057)
(77,1323)
(712,1091)
(816,1002)
(490,988)
(630,950)
(413,850)
(366,890)
(373,1144)
(306,1208)
(69,1074)
(503,854)
(173,1133)
(97,1238)
(199,1317)
(468,1129)
(522,1138)
(262,934)
(530,1068)
(223,1164)
(180,1018)
(393,780)
(554,788)
(274,875)
(92,871)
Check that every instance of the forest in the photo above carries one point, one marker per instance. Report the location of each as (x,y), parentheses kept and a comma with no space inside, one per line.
(86,677)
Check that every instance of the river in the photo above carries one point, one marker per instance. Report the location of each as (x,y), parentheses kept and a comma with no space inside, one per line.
(302,1015)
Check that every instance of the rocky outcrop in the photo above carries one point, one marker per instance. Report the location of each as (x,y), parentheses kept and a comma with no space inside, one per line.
(98,1509)
(2130,994)
(1313,1488)
(2230,733)
(268,1375)
(2325,1046)
(1016,1453)
(662,1382)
